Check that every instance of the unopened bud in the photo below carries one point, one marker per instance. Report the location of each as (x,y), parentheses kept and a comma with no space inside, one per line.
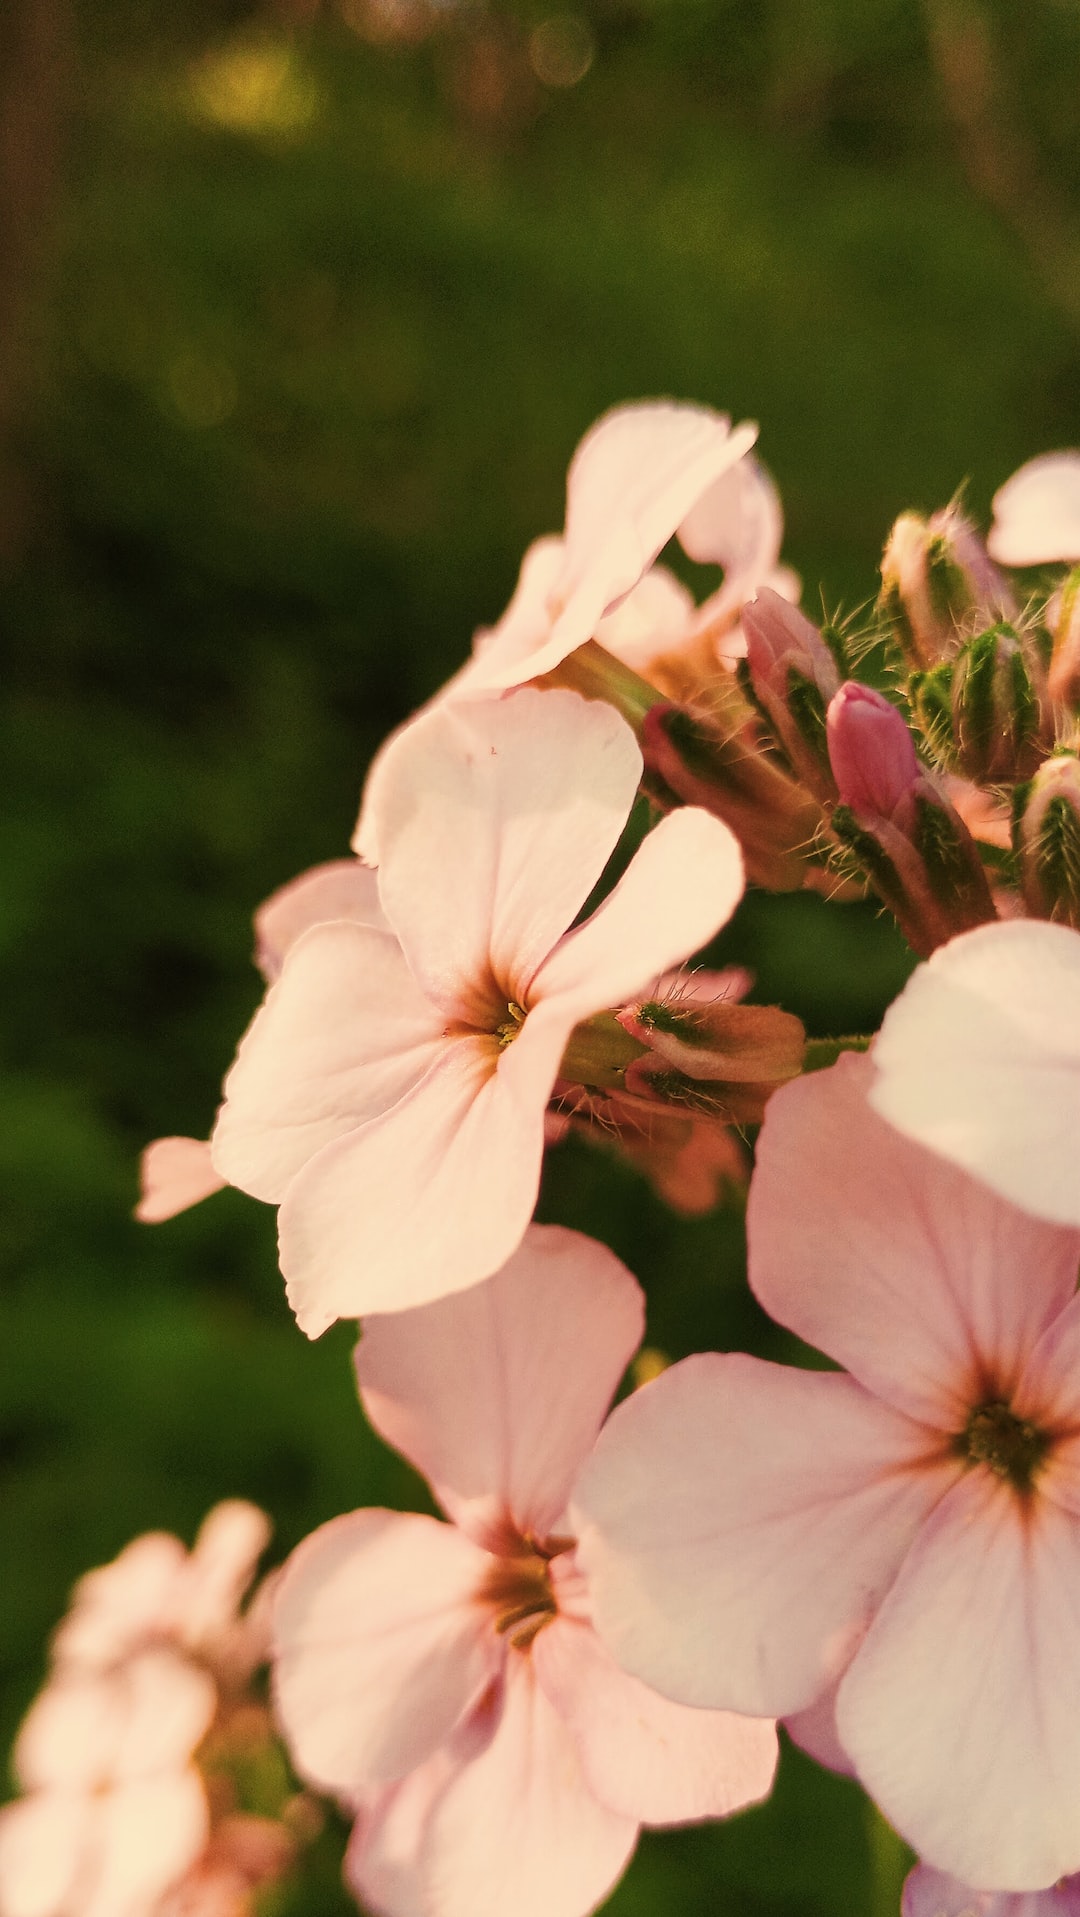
(794,676)
(914,848)
(724,1041)
(996,715)
(1065,659)
(938,582)
(690,760)
(1047,836)
(873,758)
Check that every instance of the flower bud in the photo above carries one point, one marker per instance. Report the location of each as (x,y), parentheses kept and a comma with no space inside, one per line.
(937,581)
(691,759)
(1047,838)
(873,758)
(722,1042)
(914,848)
(1065,658)
(996,715)
(793,677)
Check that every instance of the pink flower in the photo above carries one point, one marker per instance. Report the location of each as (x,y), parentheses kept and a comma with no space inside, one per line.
(640,474)
(177,1173)
(156,1593)
(738,524)
(753,1534)
(633,482)
(1037,512)
(979,1058)
(115,1811)
(151,1659)
(445,1678)
(390,1095)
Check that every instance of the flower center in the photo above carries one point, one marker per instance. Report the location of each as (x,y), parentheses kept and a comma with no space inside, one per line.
(509,1027)
(1012,1448)
(520,1594)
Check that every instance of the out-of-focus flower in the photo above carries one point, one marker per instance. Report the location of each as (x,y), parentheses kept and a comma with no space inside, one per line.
(149,1669)
(752,1533)
(1037,512)
(391,1093)
(156,1592)
(979,1058)
(444,1679)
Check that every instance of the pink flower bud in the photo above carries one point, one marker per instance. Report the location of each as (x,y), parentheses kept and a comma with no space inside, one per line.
(873,758)
(794,677)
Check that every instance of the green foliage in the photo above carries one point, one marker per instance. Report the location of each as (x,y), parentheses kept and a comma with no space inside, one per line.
(306,388)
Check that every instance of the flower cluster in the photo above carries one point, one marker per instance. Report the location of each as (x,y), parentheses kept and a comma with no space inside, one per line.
(137,1756)
(604,1627)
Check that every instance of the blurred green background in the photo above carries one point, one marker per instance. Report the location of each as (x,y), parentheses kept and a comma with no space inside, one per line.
(303,309)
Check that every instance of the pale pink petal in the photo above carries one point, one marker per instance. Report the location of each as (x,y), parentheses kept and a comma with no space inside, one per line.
(165,1706)
(652,619)
(381,1645)
(923,1283)
(433,1197)
(149,1833)
(86,1730)
(495,822)
(814,1731)
(340,889)
(497,1394)
(118,1606)
(979,1058)
(681,886)
(44,1840)
(68,1738)
(658,1762)
(932,1893)
(174,1173)
(738,1523)
(1037,512)
(384,1862)
(343,1034)
(959,1710)
(231,1540)
(516,1828)
(526,623)
(631,483)
(738,524)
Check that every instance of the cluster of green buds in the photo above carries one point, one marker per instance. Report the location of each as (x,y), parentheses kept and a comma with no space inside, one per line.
(972,808)
(994,695)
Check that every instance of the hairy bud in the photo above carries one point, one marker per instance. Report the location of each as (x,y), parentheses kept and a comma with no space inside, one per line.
(794,676)
(996,715)
(1065,658)
(913,846)
(1047,840)
(691,759)
(938,582)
